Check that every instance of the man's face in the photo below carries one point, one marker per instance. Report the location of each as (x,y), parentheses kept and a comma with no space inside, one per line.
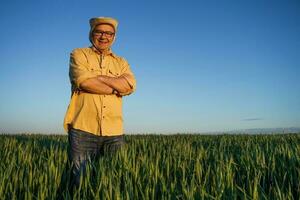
(103,36)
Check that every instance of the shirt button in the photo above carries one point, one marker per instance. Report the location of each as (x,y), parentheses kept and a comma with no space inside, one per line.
(103,116)
(104,106)
(103,95)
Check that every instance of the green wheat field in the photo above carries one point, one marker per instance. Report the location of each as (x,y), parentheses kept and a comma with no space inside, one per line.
(178,166)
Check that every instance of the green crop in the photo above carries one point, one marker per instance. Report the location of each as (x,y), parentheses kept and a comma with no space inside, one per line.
(156,167)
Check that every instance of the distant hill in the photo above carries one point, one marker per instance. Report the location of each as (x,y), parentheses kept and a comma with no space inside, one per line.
(267,130)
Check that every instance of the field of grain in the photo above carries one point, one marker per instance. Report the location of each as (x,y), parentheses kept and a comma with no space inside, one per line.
(156,167)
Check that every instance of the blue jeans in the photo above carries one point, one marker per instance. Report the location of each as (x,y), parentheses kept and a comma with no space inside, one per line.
(85,147)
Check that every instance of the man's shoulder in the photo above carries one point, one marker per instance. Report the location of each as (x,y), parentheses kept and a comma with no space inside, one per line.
(81,49)
(119,58)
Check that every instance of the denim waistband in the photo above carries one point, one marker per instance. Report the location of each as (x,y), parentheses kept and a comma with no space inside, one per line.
(88,134)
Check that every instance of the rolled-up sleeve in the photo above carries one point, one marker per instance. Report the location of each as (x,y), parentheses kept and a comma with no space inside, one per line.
(129,76)
(78,71)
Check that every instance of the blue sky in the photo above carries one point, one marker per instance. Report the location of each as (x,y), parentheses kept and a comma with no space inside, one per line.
(200,65)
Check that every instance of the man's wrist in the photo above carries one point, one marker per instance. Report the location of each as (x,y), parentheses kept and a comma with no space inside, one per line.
(114,91)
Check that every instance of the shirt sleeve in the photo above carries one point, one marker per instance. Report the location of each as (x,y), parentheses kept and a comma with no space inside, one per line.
(129,76)
(78,71)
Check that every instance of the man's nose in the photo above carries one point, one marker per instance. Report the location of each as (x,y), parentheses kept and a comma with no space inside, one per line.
(103,36)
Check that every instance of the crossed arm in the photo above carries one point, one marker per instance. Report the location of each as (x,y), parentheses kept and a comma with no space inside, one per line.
(105,85)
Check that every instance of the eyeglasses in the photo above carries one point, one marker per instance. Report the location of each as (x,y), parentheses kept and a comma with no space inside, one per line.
(105,33)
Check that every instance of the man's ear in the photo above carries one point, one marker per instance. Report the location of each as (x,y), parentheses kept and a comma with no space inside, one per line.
(114,38)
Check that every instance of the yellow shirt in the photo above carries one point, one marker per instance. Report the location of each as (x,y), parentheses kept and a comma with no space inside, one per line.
(95,113)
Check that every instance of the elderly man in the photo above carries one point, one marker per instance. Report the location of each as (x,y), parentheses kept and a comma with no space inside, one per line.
(99,80)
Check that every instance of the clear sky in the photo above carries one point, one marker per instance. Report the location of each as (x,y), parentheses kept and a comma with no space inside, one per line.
(200,65)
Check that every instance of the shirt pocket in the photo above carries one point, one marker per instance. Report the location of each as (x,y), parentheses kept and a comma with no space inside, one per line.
(94,65)
(113,73)
(95,71)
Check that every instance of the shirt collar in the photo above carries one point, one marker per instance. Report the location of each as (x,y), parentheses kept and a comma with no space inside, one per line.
(94,50)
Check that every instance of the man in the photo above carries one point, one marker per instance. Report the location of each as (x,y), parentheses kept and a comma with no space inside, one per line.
(99,80)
